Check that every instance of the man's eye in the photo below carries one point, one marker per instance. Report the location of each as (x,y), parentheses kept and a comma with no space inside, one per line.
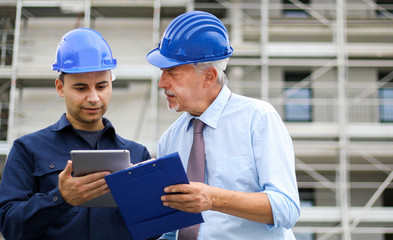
(102,86)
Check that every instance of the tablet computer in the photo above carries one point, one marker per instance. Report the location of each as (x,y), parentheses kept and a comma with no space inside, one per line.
(90,161)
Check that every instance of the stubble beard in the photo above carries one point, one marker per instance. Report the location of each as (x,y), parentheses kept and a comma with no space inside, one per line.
(174,108)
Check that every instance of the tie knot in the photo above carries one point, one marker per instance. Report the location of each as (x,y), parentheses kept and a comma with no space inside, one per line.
(198,126)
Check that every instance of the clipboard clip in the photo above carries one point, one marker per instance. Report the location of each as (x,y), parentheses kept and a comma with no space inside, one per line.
(143,168)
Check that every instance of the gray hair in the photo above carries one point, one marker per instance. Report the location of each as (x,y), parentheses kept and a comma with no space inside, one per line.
(219,65)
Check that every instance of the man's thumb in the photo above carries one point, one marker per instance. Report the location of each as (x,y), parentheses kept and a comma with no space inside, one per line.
(68,169)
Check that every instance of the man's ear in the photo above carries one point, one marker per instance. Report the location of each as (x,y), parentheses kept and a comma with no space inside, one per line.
(59,87)
(210,77)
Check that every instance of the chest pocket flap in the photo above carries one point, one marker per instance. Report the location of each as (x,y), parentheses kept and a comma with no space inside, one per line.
(46,167)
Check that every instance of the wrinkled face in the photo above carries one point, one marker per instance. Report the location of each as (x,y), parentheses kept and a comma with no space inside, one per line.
(87,96)
(182,87)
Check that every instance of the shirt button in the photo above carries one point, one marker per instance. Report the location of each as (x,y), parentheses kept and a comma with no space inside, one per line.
(56,198)
(52,166)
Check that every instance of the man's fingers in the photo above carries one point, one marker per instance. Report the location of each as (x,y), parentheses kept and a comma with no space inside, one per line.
(93,177)
(193,197)
(98,191)
(182,193)
(180,188)
(78,190)
(99,184)
(184,203)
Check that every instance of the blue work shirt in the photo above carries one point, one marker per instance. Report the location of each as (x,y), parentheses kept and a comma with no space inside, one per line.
(31,206)
(247,149)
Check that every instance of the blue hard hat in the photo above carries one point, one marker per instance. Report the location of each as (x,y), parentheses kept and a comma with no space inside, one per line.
(192,37)
(83,50)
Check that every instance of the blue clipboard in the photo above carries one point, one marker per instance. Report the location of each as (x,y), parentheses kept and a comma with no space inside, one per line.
(138,190)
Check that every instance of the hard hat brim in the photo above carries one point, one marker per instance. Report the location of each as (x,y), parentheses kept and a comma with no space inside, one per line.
(84,70)
(92,70)
(157,59)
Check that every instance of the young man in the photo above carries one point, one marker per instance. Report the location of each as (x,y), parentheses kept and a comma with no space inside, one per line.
(39,197)
(249,188)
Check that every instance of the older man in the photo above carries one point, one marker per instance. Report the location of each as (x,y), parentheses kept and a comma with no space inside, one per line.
(242,170)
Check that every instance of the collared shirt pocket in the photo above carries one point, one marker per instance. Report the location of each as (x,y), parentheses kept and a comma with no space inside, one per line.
(47,175)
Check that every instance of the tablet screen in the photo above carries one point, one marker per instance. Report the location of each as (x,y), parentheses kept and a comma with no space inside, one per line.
(89,161)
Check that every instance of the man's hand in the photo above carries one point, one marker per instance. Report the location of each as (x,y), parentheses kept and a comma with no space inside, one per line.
(78,190)
(195,197)
(198,197)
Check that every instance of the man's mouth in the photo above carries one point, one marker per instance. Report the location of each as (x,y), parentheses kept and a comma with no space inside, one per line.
(169,93)
(91,109)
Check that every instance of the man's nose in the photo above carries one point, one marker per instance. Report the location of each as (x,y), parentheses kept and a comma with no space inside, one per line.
(93,96)
(162,83)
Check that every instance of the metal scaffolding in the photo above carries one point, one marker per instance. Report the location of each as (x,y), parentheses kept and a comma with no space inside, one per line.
(343,155)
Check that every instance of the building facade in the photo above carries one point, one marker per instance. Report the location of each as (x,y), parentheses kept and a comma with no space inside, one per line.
(326,66)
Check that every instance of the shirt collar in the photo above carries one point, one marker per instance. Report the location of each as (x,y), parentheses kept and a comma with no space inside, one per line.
(64,123)
(212,114)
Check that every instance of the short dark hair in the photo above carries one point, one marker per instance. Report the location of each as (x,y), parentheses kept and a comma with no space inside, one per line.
(61,76)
